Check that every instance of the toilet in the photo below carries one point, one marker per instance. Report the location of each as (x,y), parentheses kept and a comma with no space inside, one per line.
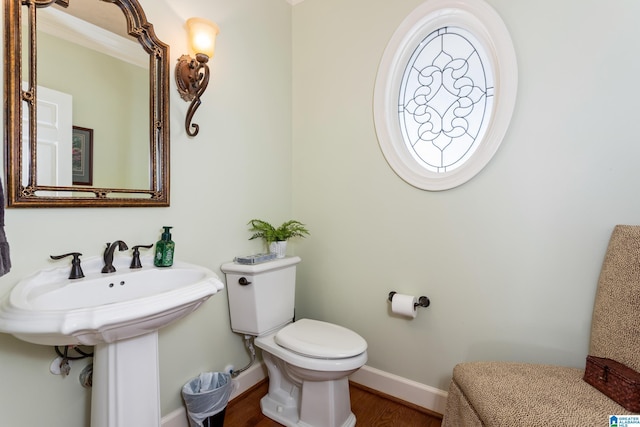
(308,361)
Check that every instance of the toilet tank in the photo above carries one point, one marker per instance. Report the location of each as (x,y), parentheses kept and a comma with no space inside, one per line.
(261,296)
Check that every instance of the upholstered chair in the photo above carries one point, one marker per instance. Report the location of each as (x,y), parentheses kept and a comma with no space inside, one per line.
(526,394)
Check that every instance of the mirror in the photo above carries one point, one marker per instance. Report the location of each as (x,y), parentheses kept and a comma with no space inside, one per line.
(84,128)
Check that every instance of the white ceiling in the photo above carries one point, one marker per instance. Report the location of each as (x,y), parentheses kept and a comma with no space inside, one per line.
(104,15)
(100,13)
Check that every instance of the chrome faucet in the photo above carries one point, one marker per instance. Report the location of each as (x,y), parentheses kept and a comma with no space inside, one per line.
(108,255)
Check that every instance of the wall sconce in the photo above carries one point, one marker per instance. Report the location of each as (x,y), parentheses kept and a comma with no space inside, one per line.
(192,75)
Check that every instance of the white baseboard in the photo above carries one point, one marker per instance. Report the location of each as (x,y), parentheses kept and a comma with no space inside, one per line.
(419,394)
(177,418)
(242,383)
(401,388)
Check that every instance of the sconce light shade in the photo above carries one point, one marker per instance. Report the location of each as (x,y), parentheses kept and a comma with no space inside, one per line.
(192,74)
(202,36)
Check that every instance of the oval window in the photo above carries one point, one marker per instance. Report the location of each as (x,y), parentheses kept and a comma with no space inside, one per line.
(445,93)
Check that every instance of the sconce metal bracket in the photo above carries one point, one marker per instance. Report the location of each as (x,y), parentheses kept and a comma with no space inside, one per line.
(192,78)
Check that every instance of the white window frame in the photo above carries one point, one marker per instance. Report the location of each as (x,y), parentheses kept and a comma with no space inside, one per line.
(484,23)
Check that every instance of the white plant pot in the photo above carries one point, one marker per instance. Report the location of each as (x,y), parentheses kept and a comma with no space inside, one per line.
(278,248)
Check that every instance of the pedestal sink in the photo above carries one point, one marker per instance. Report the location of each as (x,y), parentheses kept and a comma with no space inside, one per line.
(118,313)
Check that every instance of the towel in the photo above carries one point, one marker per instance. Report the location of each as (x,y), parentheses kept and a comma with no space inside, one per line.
(5,260)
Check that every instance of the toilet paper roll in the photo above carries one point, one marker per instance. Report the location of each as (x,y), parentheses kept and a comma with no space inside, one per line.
(404,305)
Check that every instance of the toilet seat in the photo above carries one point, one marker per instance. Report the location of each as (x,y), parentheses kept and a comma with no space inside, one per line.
(268,343)
(322,340)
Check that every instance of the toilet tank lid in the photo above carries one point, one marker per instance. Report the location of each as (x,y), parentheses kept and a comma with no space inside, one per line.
(318,339)
(234,267)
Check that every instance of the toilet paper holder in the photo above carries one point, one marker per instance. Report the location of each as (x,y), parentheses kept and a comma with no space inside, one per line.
(422,301)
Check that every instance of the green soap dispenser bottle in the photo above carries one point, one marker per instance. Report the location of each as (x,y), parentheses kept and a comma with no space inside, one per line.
(164,249)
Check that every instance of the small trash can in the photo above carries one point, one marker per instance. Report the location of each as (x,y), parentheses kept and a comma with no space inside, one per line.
(206,397)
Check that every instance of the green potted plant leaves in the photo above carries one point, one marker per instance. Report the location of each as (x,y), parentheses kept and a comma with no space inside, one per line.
(276,237)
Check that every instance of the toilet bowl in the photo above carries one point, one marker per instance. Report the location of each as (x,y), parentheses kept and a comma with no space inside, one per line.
(309,362)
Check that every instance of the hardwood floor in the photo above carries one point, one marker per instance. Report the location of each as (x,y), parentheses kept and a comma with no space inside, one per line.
(372,409)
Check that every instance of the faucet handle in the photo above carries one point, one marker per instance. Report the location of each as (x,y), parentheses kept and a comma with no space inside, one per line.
(135,261)
(76,269)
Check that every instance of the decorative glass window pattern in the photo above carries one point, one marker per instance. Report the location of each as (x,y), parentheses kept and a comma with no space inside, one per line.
(445,93)
(445,100)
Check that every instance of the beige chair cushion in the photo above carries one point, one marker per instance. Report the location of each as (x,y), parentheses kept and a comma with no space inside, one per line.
(523,394)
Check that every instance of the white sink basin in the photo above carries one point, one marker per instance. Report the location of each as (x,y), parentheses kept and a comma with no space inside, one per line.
(50,309)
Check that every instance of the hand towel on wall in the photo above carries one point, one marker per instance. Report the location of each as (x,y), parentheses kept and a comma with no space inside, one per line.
(5,260)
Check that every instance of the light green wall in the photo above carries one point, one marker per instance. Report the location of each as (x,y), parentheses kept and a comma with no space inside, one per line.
(510,259)
(237,168)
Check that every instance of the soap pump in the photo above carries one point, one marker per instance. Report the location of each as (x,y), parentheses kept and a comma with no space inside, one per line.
(164,249)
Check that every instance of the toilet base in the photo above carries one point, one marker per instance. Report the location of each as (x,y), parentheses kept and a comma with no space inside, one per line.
(309,402)
(288,416)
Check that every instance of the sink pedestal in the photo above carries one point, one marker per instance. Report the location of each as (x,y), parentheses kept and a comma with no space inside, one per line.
(126,384)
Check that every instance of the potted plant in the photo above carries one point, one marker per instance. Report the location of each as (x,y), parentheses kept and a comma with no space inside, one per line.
(276,237)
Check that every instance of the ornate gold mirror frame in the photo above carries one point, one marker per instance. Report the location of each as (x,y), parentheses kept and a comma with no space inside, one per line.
(21,163)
